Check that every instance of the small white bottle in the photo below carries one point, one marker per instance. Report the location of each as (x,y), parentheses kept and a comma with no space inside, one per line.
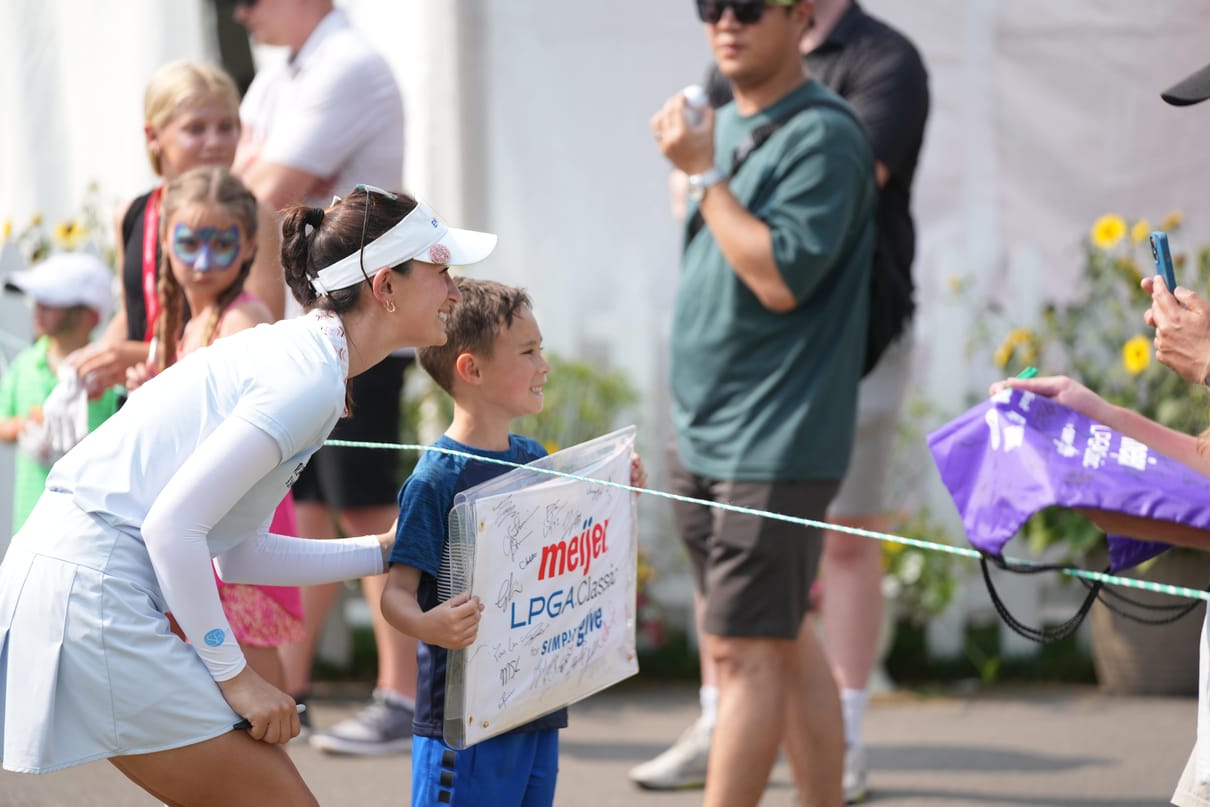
(696,100)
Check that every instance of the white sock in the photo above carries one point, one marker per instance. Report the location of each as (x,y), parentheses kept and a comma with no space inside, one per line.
(852,705)
(709,698)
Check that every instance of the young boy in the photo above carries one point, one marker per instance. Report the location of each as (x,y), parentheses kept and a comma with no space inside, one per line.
(71,294)
(492,366)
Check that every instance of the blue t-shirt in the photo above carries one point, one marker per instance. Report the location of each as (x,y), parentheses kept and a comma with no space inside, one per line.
(425,501)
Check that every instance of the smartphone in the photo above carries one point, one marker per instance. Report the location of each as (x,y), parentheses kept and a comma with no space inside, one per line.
(1163,259)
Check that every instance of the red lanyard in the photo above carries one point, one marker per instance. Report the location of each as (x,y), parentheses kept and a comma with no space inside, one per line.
(151,240)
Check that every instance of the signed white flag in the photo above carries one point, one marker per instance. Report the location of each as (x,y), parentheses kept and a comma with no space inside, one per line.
(554,562)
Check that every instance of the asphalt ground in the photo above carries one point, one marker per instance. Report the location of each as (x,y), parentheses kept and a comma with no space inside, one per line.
(1055,746)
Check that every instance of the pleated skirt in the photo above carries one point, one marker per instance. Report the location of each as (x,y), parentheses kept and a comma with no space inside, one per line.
(89,668)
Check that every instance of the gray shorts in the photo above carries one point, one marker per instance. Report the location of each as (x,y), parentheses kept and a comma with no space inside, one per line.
(880,397)
(754,573)
(1188,792)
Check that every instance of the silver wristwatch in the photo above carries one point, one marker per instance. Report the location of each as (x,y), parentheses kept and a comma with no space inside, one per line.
(698,183)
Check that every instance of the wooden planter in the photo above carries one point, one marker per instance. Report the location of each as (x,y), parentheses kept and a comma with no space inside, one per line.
(1131,658)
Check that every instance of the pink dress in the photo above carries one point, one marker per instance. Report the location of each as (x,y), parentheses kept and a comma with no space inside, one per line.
(264,616)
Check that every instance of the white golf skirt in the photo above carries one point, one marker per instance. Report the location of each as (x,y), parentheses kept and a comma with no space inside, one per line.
(89,668)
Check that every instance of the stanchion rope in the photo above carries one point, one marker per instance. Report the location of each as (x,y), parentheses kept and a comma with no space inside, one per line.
(932,546)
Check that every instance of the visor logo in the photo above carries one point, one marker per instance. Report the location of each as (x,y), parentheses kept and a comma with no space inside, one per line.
(439,254)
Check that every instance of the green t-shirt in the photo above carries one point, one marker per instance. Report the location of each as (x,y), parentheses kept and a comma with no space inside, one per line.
(26,385)
(759,395)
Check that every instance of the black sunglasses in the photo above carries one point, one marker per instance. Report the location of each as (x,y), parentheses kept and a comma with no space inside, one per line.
(746,12)
(370,191)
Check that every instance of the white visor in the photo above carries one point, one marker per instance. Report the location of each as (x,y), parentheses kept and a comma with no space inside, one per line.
(420,234)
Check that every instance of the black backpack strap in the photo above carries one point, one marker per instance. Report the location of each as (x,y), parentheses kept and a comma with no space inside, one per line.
(1164,614)
(1042,635)
(757,138)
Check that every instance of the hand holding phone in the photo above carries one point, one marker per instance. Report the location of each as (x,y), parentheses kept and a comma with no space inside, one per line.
(1163,259)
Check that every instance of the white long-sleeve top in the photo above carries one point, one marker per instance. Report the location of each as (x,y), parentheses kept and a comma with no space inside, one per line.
(197,460)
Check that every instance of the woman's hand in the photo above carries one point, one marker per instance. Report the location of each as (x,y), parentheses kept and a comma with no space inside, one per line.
(1060,389)
(386,541)
(272,712)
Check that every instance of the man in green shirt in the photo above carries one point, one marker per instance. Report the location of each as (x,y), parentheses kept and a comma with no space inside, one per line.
(71,293)
(768,340)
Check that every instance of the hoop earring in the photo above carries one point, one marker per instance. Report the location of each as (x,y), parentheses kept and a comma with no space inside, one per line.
(389,305)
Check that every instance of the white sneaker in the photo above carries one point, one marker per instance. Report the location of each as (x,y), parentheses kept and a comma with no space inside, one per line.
(682,766)
(855,774)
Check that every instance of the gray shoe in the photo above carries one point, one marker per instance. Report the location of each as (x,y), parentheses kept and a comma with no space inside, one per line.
(856,772)
(382,727)
(681,767)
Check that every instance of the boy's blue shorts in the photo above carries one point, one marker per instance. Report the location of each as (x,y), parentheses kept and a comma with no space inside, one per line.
(511,769)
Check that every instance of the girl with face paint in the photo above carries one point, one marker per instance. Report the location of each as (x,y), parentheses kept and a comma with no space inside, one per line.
(191,119)
(207,247)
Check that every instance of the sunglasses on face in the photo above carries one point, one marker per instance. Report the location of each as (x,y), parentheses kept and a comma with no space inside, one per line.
(746,12)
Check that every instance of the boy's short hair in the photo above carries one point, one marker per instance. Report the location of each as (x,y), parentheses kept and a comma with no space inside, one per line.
(485,310)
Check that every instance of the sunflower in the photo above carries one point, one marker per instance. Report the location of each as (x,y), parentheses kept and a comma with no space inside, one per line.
(1136,354)
(67,234)
(1017,338)
(1140,231)
(1108,231)
(1172,221)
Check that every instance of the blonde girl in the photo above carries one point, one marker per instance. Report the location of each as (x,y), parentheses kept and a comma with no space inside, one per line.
(191,119)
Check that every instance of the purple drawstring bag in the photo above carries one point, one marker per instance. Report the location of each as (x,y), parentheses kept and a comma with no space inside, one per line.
(1018,453)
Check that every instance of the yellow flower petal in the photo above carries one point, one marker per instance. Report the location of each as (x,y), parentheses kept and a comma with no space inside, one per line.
(1140,231)
(67,234)
(1172,221)
(1020,336)
(1108,231)
(1136,354)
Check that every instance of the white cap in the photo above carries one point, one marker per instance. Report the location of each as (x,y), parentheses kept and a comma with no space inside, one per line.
(66,279)
(419,234)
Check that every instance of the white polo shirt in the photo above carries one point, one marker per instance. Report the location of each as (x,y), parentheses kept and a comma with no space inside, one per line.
(334,110)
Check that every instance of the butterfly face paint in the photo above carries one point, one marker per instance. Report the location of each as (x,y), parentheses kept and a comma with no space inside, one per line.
(206,249)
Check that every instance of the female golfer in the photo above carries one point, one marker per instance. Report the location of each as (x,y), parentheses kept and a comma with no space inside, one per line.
(192,468)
